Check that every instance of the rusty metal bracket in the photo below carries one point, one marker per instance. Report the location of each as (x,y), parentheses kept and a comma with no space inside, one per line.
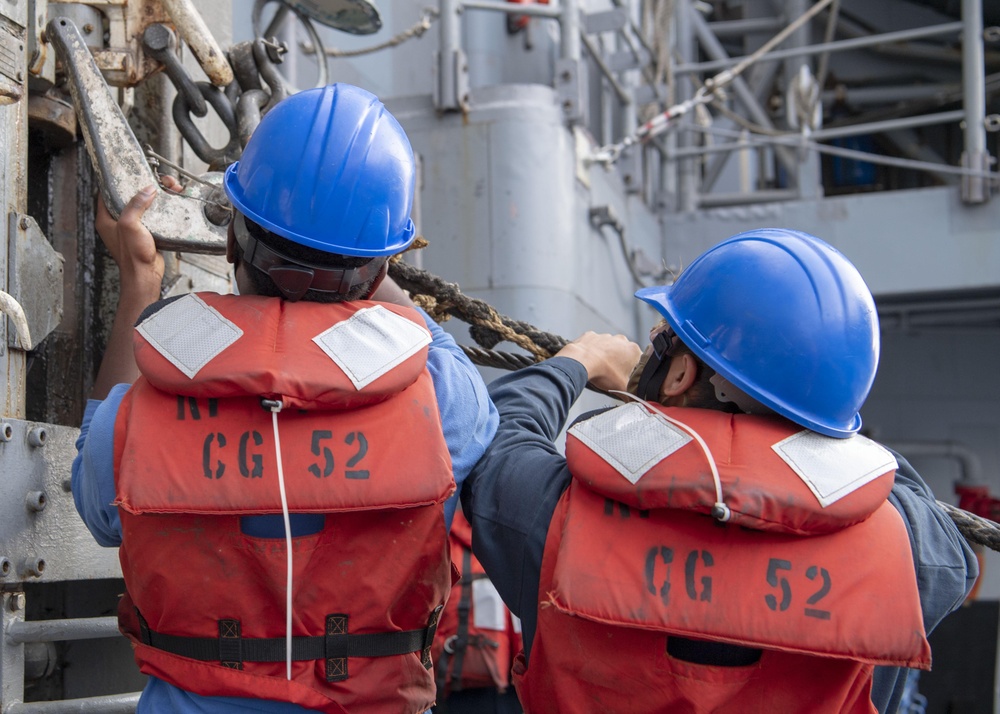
(35,277)
(176,222)
(12,42)
(121,60)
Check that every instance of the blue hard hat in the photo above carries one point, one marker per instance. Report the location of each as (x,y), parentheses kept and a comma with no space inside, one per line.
(331,169)
(786,318)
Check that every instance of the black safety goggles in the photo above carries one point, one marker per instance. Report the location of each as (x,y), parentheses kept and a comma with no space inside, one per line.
(292,276)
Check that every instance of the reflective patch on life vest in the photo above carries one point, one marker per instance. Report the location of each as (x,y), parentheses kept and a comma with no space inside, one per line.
(370,343)
(189,333)
(833,468)
(630,439)
(488,610)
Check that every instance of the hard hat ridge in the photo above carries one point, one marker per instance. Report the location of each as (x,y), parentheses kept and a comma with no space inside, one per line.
(329,168)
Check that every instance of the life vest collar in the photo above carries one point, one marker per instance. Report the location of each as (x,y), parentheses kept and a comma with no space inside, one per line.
(213,346)
(648,456)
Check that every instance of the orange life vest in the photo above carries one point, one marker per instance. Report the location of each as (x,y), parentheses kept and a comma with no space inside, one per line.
(632,560)
(476,638)
(360,441)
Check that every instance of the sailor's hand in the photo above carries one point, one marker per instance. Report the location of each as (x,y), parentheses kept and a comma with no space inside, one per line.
(609,359)
(130,242)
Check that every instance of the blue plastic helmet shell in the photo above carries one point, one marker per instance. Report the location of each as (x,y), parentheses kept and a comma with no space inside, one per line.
(786,318)
(329,168)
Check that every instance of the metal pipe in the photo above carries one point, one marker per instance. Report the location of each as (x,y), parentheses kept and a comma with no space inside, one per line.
(863,96)
(713,48)
(636,34)
(764,78)
(968,460)
(451,45)
(513,8)
(806,177)
(910,145)
(687,174)
(110,704)
(728,28)
(595,55)
(82,628)
(631,78)
(876,127)
(718,200)
(939,169)
(569,25)
(974,100)
(836,46)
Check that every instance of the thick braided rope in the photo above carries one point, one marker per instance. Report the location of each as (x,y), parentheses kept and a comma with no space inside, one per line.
(976,529)
(489,327)
(443,299)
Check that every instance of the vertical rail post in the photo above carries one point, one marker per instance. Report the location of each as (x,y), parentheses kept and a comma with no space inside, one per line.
(451,90)
(568,82)
(974,188)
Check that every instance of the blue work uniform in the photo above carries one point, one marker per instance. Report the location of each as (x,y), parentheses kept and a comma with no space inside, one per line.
(512,493)
(469,421)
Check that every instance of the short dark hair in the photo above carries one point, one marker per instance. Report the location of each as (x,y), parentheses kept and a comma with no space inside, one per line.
(263,285)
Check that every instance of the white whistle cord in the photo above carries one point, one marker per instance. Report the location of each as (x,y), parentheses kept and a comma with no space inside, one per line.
(720,511)
(288,544)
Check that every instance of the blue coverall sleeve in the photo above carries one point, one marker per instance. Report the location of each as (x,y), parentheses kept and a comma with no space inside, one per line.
(512,493)
(93,476)
(946,567)
(468,417)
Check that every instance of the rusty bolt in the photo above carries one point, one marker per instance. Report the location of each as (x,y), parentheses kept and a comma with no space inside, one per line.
(17,602)
(33,567)
(24,223)
(5,567)
(37,436)
(88,28)
(565,76)
(6,431)
(35,501)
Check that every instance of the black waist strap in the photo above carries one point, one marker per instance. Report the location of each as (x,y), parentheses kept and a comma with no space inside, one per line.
(231,649)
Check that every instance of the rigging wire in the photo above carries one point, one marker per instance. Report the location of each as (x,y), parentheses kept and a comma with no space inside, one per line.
(662,121)
(429,15)
(796,140)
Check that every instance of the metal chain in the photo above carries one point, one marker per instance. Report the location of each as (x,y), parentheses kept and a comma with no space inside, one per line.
(239,107)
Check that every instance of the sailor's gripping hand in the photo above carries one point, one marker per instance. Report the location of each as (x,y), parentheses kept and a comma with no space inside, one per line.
(609,359)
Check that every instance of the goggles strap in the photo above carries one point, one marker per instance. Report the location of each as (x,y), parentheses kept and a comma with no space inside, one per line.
(294,277)
(657,366)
